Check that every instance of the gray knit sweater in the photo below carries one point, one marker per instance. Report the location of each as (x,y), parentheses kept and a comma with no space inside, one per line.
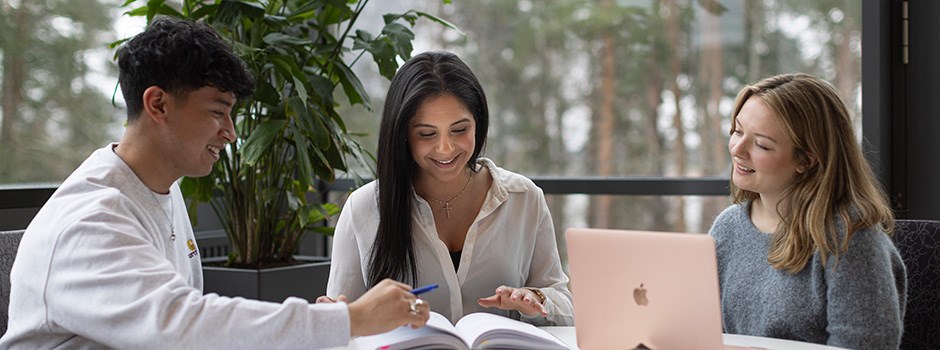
(856,302)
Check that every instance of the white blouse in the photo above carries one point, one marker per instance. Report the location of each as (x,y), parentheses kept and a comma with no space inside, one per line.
(511,242)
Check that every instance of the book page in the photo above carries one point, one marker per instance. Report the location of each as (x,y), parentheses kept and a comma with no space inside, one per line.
(438,333)
(488,331)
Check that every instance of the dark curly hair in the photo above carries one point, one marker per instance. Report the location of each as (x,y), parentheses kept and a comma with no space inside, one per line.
(179,56)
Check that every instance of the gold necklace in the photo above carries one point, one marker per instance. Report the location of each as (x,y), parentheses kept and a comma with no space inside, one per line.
(168,220)
(446,204)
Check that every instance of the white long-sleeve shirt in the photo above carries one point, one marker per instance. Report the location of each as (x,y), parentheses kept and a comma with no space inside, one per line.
(97,268)
(511,242)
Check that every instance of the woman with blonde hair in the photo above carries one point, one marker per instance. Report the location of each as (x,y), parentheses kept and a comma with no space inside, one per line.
(805,253)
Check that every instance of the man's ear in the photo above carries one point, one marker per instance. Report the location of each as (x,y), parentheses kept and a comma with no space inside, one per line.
(155,104)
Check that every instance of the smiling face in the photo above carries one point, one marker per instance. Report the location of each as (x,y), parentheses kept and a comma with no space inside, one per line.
(201,125)
(441,137)
(761,153)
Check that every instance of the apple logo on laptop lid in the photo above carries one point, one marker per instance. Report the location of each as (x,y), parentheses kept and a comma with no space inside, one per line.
(639,295)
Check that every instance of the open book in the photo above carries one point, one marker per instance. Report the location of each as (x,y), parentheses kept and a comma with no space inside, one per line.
(478,330)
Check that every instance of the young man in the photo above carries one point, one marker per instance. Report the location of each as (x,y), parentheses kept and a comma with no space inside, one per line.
(107,261)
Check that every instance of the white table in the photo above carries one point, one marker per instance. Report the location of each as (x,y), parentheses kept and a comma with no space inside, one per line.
(568,336)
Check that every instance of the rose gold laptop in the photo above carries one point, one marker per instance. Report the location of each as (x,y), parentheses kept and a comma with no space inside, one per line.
(658,289)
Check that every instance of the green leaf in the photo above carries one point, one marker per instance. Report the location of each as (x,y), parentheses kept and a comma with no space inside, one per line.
(196,190)
(276,21)
(353,88)
(324,173)
(334,12)
(323,230)
(304,169)
(117,43)
(441,21)
(203,11)
(364,36)
(279,227)
(293,202)
(323,89)
(319,132)
(407,16)
(339,121)
(288,69)
(261,140)
(382,52)
(270,194)
(230,12)
(322,212)
(152,7)
(301,87)
(278,39)
(304,219)
(307,10)
(266,93)
(137,12)
(299,110)
(401,38)
(155,7)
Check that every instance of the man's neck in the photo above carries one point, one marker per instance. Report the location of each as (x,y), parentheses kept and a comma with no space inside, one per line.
(146,161)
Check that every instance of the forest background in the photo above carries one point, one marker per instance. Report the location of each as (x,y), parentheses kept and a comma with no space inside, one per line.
(576,88)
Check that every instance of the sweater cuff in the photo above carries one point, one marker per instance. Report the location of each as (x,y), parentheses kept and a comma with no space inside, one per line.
(331,322)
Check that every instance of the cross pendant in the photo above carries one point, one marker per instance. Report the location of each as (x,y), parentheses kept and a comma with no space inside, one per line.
(446,209)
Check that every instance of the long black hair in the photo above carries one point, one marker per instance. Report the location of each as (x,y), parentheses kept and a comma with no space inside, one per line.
(425,76)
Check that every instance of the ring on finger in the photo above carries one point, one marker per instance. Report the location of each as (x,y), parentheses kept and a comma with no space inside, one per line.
(412,303)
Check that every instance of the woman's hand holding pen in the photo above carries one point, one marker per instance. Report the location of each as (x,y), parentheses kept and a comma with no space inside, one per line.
(520,299)
(386,306)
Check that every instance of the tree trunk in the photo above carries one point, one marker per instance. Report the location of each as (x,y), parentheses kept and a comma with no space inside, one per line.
(14,72)
(713,138)
(753,24)
(658,209)
(605,126)
(679,149)
(846,66)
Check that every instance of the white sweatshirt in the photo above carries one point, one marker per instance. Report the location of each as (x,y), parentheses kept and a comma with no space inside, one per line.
(97,268)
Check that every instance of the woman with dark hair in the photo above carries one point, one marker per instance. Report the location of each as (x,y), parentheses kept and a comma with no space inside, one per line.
(805,252)
(440,214)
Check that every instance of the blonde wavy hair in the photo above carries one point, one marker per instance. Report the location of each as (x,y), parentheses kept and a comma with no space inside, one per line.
(838,181)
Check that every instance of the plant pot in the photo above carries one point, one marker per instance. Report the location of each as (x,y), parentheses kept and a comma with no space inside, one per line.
(306,281)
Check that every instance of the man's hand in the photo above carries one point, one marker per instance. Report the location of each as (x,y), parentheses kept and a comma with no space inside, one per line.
(385,307)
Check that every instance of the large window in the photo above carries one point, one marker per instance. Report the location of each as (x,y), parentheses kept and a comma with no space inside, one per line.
(576,88)
(57,85)
(631,88)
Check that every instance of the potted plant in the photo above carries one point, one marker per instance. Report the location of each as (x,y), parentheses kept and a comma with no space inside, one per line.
(289,133)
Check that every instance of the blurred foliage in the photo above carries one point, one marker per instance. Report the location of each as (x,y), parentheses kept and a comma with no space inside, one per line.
(52,115)
(289,133)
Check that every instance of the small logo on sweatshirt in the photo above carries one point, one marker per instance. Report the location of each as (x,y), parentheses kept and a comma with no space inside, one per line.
(192,248)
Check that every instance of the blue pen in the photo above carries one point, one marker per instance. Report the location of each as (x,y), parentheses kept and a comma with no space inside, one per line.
(424,289)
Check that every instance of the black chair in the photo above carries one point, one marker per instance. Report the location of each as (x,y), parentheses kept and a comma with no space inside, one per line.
(9,242)
(918,241)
